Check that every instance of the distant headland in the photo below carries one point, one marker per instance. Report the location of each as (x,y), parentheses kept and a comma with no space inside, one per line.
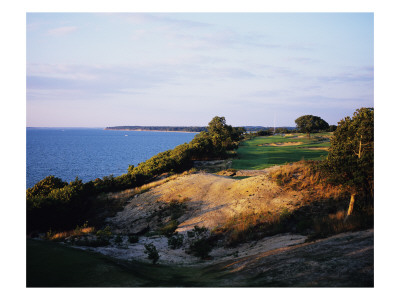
(184,128)
(158,128)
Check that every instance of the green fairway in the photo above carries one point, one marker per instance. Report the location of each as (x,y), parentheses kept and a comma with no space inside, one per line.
(258,153)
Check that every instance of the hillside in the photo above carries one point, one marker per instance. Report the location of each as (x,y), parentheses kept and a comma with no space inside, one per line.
(258,231)
(210,201)
(222,204)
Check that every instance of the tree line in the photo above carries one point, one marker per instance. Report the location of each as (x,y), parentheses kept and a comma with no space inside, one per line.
(160,128)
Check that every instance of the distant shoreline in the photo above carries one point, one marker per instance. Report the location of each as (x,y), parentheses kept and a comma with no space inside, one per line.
(194,129)
(183,131)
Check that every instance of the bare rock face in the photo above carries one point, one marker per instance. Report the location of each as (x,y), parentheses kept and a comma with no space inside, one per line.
(343,260)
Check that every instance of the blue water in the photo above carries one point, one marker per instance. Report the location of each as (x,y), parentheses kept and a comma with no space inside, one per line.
(91,153)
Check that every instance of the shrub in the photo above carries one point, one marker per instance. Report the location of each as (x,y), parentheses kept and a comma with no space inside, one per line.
(151,252)
(118,240)
(106,232)
(175,241)
(201,248)
(200,245)
(81,229)
(104,235)
(169,229)
(177,209)
(133,239)
(197,232)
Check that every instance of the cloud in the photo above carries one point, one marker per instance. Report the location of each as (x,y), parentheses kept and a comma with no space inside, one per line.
(347,77)
(91,80)
(161,18)
(361,74)
(60,31)
(222,38)
(303,60)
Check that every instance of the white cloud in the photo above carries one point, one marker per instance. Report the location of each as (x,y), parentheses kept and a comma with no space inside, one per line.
(60,31)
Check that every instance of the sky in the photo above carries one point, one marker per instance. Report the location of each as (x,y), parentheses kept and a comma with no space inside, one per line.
(182,69)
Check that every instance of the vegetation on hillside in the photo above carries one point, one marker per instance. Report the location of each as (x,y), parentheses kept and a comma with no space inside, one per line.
(345,170)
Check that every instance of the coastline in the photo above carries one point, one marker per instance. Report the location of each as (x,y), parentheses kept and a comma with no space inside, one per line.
(153,130)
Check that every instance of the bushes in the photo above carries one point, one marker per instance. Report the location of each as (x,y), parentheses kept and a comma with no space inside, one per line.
(151,252)
(200,244)
(58,208)
(133,239)
(201,248)
(169,229)
(175,241)
(45,186)
(52,203)
(118,240)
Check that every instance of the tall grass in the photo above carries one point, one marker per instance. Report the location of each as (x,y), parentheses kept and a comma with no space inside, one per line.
(305,176)
(244,227)
(77,232)
(338,223)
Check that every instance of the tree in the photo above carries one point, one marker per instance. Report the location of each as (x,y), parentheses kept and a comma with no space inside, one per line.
(310,123)
(220,133)
(332,128)
(151,252)
(350,161)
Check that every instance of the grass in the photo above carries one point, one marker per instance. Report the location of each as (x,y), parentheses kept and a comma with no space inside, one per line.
(252,155)
(54,265)
(77,232)
(246,227)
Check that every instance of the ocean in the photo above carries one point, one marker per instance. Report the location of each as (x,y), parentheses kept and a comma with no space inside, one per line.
(90,153)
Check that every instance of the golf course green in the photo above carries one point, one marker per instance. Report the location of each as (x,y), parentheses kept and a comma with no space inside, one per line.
(266,151)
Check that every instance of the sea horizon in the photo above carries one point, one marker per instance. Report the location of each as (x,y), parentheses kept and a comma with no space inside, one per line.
(90,153)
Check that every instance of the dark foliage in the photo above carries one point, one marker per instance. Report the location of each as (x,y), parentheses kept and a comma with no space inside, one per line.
(264,132)
(133,239)
(175,241)
(350,161)
(151,252)
(200,242)
(309,124)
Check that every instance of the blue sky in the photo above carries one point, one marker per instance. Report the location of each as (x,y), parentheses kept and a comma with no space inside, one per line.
(106,69)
